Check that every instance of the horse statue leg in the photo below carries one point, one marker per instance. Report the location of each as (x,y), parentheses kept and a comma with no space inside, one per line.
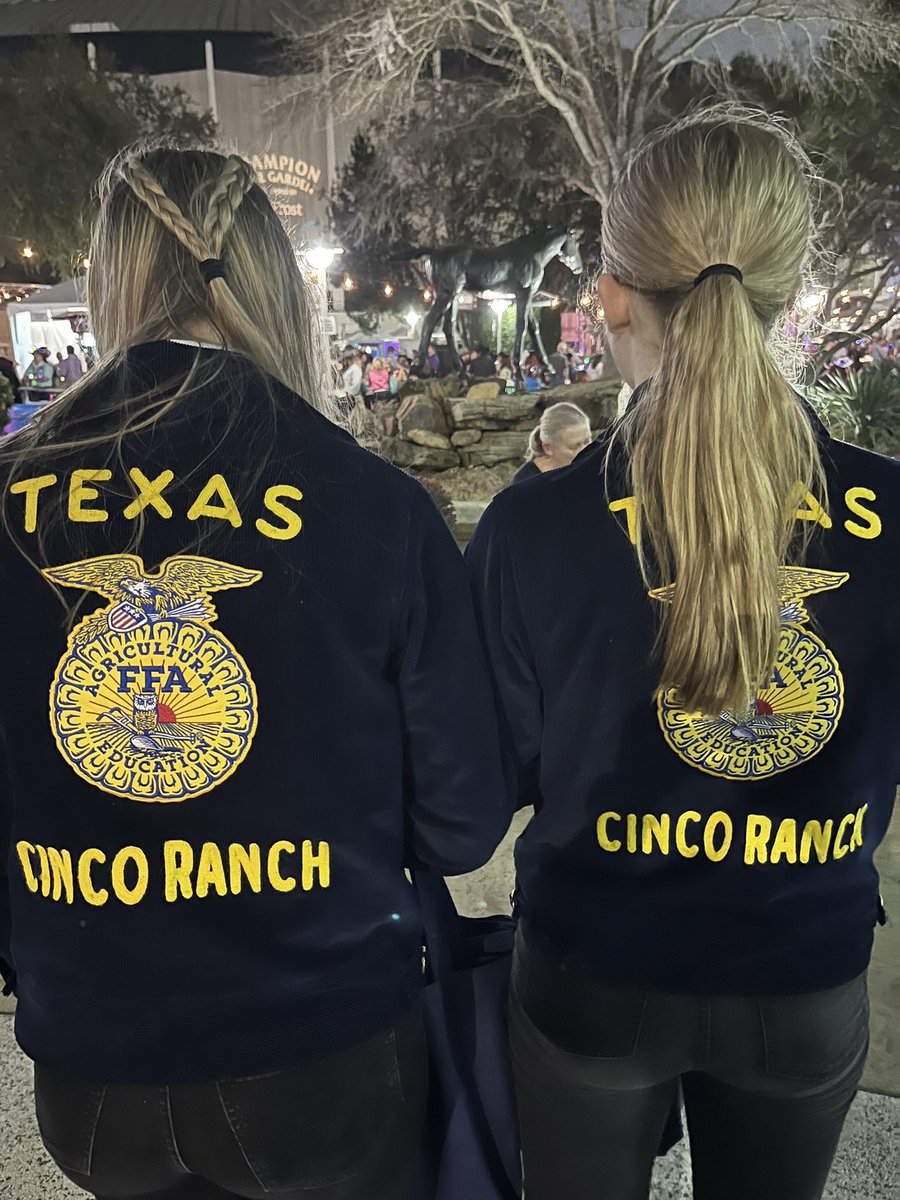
(519,339)
(534,333)
(428,328)
(450,332)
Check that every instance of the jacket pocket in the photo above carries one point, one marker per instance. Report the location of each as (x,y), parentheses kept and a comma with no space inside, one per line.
(68,1113)
(818,1036)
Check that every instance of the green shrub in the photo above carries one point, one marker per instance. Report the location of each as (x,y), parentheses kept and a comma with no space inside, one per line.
(862,407)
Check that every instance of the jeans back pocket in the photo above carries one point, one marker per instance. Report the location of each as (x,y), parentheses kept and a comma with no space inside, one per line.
(68,1112)
(818,1036)
(316,1126)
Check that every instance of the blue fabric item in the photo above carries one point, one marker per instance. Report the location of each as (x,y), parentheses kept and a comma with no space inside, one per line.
(471,1146)
(471,1142)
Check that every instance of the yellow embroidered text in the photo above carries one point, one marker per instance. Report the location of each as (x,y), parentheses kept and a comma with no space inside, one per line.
(181,872)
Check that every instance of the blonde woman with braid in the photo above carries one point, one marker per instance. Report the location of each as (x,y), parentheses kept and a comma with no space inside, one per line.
(563,432)
(245,693)
(695,637)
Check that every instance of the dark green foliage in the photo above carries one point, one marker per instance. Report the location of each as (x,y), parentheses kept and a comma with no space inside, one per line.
(7,397)
(862,407)
(61,122)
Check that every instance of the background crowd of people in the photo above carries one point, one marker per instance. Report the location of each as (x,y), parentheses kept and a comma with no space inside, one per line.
(360,372)
(46,373)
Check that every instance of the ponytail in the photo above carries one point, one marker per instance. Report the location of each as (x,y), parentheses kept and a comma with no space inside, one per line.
(719,448)
(716,455)
(535,446)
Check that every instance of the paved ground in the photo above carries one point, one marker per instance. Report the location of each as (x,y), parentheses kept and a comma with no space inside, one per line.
(867,1166)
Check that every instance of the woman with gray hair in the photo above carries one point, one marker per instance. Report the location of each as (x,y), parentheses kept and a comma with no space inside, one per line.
(563,432)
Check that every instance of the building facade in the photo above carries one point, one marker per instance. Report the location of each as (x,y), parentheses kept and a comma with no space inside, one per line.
(230,58)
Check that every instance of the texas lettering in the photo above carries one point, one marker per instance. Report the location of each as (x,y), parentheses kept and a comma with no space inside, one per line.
(214,501)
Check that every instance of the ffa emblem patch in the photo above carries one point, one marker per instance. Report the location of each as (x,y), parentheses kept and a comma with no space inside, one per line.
(149,702)
(785,724)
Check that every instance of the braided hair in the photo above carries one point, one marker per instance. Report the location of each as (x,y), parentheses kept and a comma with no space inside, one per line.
(214,254)
(164,213)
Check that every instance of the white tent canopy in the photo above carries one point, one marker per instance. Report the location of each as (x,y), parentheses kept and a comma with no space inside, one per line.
(44,320)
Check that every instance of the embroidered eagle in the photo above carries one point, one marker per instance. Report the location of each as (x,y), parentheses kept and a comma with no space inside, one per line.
(794,584)
(179,590)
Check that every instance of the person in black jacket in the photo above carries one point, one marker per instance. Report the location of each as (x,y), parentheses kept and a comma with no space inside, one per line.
(481,364)
(694,629)
(266,700)
(8,371)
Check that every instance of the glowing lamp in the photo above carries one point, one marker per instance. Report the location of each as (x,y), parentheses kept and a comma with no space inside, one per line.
(320,258)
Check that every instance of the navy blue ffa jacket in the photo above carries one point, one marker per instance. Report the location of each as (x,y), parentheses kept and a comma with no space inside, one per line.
(706,854)
(260,716)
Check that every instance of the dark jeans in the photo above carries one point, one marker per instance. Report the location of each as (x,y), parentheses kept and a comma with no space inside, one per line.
(767,1084)
(345,1128)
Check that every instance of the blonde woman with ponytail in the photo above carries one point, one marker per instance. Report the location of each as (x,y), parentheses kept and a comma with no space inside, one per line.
(695,641)
(563,432)
(244,694)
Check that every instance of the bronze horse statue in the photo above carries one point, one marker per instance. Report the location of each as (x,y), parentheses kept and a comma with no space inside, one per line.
(516,267)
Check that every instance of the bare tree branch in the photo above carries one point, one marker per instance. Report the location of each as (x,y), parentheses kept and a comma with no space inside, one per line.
(602,91)
(607,90)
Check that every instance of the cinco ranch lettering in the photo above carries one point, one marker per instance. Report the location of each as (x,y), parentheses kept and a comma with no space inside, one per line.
(757,838)
(181,872)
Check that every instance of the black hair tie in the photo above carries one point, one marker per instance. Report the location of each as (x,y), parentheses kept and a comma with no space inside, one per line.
(719,269)
(211,268)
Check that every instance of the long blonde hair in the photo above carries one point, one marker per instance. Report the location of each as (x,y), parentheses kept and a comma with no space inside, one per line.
(162,212)
(720,449)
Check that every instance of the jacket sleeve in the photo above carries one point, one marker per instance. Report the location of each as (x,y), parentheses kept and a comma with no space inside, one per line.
(458,791)
(502,625)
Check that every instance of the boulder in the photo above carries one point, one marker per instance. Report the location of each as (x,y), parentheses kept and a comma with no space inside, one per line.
(495,448)
(465,437)
(422,413)
(364,425)
(486,389)
(498,412)
(437,392)
(412,387)
(385,412)
(424,437)
(423,458)
(597,399)
(486,423)
(452,386)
